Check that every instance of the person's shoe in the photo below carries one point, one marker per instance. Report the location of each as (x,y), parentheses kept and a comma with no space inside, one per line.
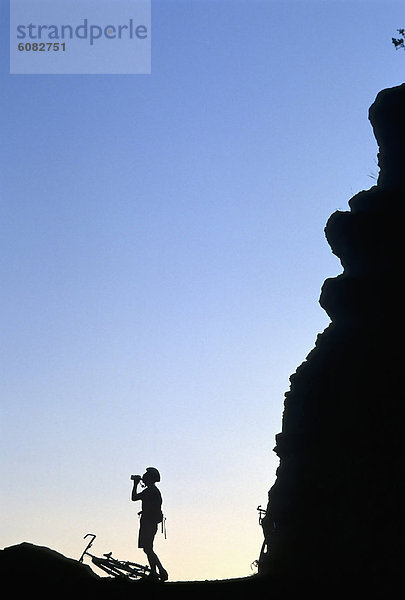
(163,575)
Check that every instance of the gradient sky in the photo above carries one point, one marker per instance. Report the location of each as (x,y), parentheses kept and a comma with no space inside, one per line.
(162,255)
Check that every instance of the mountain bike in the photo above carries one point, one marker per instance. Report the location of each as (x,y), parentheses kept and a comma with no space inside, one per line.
(113,566)
(264,549)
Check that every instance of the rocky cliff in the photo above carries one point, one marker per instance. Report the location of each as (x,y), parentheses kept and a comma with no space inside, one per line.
(335,512)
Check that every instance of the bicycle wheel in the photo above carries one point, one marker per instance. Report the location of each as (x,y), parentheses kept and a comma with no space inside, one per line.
(135,570)
(108,566)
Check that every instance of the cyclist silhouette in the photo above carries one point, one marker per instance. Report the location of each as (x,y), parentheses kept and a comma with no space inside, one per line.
(151,515)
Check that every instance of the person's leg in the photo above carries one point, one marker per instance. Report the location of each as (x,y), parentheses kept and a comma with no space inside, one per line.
(154,563)
(151,556)
(148,536)
(162,571)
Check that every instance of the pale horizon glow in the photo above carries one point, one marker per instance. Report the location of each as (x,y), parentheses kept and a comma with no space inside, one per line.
(163,254)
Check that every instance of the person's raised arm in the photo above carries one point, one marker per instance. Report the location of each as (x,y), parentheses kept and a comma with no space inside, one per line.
(135,495)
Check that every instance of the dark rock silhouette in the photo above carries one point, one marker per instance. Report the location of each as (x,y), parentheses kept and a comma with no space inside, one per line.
(335,512)
(334,521)
(26,567)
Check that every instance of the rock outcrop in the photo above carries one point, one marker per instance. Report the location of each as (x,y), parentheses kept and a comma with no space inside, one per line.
(335,512)
(28,569)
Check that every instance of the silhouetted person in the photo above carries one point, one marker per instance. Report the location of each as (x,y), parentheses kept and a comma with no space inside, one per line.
(151,515)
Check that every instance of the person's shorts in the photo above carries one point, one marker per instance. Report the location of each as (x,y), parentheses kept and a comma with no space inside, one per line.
(147,532)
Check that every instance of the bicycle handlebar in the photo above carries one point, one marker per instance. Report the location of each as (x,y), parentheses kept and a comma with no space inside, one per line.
(89,545)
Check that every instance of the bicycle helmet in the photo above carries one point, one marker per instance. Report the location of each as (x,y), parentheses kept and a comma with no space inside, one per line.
(153,473)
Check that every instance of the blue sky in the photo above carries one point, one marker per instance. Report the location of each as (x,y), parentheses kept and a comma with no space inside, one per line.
(162,259)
